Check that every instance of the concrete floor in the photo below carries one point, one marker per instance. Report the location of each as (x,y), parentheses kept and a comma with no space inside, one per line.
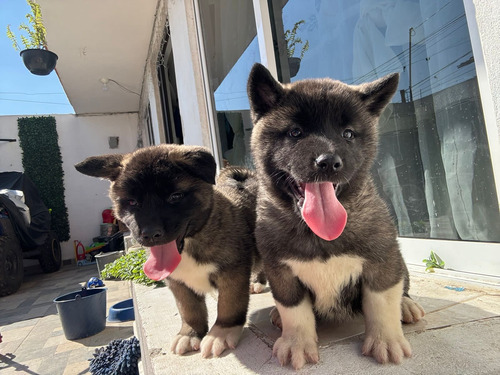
(33,338)
(459,334)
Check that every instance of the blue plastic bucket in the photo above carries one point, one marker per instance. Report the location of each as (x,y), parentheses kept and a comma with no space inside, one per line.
(82,313)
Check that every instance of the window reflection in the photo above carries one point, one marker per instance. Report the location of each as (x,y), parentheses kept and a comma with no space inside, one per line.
(434,167)
(231,48)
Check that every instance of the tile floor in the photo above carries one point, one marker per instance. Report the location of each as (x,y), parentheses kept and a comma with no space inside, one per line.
(458,335)
(33,339)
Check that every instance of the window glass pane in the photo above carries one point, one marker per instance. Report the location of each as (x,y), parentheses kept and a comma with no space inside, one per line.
(231,48)
(433,167)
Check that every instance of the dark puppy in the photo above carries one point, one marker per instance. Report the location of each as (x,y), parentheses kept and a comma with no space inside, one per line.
(201,236)
(327,241)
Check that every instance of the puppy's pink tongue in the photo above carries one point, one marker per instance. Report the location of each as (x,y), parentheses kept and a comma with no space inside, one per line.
(322,211)
(162,261)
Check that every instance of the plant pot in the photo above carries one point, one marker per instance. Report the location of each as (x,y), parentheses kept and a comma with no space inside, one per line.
(105,258)
(82,313)
(39,61)
(294,65)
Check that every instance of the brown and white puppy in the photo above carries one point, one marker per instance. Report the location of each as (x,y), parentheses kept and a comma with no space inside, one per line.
(326,238)
(201,236)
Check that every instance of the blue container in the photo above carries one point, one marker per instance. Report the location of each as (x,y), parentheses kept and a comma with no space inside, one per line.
(122,311)
(82,313)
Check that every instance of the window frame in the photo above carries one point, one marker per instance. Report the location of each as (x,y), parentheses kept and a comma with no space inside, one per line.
(456,253)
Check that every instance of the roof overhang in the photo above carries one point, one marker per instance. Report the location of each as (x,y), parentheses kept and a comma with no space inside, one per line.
(99,40)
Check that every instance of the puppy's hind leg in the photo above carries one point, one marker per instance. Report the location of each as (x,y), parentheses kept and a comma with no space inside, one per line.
(275,318)
(258,282)
(232,306)
(193,311)
(411,311)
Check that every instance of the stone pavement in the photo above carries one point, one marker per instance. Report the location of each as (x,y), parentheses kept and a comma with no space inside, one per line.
(458,335)
(33,339)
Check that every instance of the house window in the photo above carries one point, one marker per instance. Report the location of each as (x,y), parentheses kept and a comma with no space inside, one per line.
(172,126)
(434,167)
(231,48)
(149,127)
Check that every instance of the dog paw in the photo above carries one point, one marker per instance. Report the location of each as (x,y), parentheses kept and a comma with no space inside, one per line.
(183,344)
(275,317)
(256,287)
(386,349)
(296,350)
(218,339)
(411,311)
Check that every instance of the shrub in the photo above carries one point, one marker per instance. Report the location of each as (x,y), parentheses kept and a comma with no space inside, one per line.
(42,163)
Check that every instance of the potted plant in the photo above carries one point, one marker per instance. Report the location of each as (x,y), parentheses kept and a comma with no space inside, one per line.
(36,57)
(292,41)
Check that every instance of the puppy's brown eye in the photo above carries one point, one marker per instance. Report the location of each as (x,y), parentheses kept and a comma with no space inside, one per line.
(348,134)
(175,197)
(132,202)
(295,133)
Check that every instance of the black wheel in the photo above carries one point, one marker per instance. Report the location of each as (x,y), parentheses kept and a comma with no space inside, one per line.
(11,260)
(50,254)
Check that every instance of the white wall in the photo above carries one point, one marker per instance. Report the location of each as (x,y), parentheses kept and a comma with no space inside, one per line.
(488,24)
(10,152)
(482,17)
(79,137)
(189,75)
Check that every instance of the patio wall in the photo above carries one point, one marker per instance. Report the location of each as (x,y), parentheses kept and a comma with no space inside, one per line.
(79,137)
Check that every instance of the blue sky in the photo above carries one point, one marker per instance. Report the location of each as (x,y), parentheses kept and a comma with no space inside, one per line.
(22,93)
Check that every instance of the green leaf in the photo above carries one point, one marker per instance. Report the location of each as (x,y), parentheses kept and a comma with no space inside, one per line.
(129,267)
(35,30)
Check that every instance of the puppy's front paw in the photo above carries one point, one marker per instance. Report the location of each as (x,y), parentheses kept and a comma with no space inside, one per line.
(218,339)
(183,344)
(297,350)
(411,311)
(386,348)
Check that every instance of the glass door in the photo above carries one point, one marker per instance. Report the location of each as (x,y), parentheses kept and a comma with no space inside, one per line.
(434,167)
(231,48)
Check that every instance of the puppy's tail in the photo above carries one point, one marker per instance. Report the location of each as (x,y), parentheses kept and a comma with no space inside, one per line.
(239,174)
(241,180)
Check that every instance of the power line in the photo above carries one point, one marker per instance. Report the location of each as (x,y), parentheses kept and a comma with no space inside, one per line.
(30,93)
(32,101)
(432,15)
(416,48)
(443,68)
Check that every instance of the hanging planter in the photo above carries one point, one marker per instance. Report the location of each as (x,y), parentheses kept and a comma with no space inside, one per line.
(293,41)
(39,61)
(36,57)
(294,66)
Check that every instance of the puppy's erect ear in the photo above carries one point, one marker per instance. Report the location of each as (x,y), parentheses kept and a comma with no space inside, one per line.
(105,166)
(377,94)
(200,163)
(264,92)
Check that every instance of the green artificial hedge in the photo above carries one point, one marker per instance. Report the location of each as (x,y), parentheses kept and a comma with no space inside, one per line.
(42,163)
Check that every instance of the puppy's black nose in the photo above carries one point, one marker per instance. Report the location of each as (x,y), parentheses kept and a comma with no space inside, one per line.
(329,162)
(151,233)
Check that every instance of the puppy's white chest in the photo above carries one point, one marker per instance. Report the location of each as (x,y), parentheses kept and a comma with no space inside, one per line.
(193,274)
(327,278)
